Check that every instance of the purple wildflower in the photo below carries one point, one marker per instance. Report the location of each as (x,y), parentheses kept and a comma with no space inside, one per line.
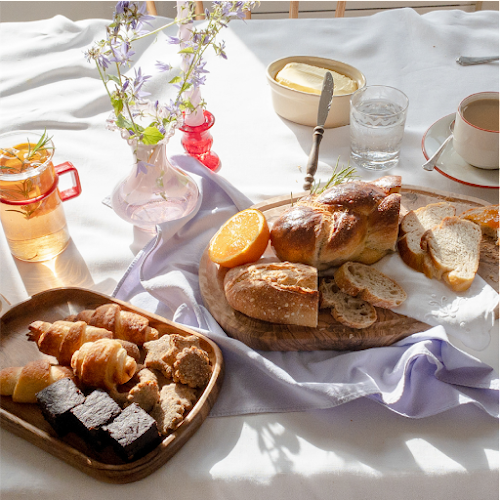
(173,40)
(163,67)
(122,53)
(121,7)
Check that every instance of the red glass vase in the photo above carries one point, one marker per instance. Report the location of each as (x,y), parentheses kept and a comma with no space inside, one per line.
(197,141)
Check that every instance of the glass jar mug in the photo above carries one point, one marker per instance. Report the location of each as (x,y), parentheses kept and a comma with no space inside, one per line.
(31,209)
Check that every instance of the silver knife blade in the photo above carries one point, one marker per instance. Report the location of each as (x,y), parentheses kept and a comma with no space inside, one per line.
(325,100)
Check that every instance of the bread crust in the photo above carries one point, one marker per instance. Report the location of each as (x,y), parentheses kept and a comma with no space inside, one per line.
(280,292)
(412,228)
(369,284)
(487,218)
(458,235)
(353,221)
(347,310)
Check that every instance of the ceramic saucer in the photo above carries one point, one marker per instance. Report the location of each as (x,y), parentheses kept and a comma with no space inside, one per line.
(450,163)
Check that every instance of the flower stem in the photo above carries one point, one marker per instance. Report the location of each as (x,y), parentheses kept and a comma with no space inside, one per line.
(136,130)
(153,32)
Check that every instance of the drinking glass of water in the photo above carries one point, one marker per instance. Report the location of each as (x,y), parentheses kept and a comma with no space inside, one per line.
(378,115)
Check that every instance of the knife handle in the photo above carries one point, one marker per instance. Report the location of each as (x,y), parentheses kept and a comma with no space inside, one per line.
(312,161)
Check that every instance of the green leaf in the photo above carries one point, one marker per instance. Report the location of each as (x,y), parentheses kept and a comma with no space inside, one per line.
(152,136)
(176,79)
(114,79)
(117,105)
(122,122)
(187,50)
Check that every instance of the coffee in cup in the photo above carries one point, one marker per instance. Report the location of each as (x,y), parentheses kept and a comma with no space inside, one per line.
(475,136)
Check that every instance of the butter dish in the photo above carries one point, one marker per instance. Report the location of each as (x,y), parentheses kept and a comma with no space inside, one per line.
(300,104)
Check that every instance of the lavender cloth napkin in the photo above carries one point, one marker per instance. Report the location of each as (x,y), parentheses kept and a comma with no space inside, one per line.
(419,376)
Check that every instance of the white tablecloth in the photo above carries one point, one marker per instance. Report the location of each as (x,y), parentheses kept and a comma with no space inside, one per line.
(358,450)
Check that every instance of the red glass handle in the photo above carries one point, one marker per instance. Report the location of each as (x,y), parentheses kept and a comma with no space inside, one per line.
(76,189)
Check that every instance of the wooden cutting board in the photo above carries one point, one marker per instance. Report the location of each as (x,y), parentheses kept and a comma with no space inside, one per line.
(389,327)
(26,420)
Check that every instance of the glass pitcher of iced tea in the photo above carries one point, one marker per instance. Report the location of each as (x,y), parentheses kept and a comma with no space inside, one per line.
(31,211)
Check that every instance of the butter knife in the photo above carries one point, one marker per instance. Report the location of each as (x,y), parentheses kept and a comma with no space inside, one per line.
(325,101)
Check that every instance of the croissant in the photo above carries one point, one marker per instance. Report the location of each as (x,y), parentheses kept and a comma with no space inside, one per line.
(103,364)
(125,325)
(23,382)
(62,338)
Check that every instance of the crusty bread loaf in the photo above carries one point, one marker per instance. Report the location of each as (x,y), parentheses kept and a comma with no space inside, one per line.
(413,226)
(487,218)
(353,221)
(368,283)
(279,292)
(350,311)
(453,248)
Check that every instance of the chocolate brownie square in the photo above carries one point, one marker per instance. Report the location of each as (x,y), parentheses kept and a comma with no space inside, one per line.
(97,410)
(56,402)
(133,433)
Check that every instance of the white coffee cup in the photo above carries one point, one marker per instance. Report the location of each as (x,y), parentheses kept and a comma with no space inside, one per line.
(475,136)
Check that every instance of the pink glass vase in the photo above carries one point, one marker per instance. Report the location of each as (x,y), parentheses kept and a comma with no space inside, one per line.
(197,141)
(155,191)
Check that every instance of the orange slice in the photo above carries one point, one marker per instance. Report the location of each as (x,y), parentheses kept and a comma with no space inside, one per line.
(242,239)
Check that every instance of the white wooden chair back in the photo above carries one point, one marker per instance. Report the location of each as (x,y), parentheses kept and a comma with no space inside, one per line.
(293,12)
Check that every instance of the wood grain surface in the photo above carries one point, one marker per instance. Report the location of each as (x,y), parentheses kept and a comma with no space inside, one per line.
(389,327)
(26,420)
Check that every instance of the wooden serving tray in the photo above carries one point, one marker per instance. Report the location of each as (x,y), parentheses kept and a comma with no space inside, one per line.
(389,327)
(26,420)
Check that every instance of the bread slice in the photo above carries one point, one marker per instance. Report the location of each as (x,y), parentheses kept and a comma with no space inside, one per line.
(279,292)
(347,310)
(413,225)
(487,218)
(453,248)
(368,283)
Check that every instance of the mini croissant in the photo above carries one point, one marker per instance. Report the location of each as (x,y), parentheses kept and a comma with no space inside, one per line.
(103,364)
(62,338)
(125,325)
(23,382)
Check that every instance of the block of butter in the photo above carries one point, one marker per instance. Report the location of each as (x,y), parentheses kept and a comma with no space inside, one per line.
(307,78)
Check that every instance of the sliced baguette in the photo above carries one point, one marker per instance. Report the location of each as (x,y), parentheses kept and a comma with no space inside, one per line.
(347,310)
(279,292)
(413,225)
(368,283)
(487,218)
(453,248)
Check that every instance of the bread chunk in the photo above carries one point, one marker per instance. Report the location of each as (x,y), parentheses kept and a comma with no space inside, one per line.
(350,311)
(413,225)
(279,292)
(487,218)
(454,250)
(368,283)
(352,221)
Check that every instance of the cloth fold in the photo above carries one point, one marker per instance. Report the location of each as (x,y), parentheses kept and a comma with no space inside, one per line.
(419,376)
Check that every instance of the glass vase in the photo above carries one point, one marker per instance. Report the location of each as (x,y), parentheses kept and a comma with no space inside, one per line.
(155,191)
(197,141)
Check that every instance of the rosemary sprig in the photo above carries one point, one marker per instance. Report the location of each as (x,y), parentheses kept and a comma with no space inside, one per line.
(41,144)
(337,177)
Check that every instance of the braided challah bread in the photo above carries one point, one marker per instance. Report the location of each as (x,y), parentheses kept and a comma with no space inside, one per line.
(353,221)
